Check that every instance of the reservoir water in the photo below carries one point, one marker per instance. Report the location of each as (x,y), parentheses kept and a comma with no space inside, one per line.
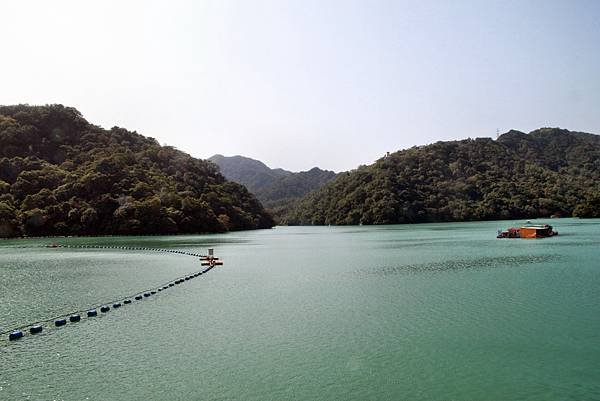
(405,312)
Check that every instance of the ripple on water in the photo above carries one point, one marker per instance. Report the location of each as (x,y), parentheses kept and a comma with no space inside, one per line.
(462,264)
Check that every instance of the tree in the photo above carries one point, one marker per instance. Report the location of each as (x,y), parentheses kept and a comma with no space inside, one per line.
(589,208)
(59,174)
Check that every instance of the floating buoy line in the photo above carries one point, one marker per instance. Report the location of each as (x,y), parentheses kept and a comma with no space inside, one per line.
(32,328)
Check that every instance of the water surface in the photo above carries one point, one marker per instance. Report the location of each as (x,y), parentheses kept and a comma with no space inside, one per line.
(431,311)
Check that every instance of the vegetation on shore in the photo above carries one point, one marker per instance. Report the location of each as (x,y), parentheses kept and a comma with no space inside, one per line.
(60,175)
(589,207)
(546,172)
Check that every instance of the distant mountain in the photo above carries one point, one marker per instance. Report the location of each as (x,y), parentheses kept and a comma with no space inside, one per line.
(277,189)
(253,174)
(294,186)
(61,175)
(548,171)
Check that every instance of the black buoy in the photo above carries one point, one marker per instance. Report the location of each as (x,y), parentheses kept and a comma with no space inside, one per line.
(35,329)
(160,289)
(138,297)
(165,287)
(15,335)
(92,313)
(152,292)
(146,294)
(104,308)
(74,318)
(117,305)
(60,322)
(171,284)
(127,301)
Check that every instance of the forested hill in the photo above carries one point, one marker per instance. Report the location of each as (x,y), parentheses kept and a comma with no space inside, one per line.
(295,186)
(253,174)
(60,175)
(548,171)
(277,189)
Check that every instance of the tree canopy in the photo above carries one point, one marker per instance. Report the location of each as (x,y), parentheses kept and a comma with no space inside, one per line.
(60,175)
(548,171)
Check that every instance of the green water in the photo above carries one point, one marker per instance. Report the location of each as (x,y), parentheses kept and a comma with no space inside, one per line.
(408,312)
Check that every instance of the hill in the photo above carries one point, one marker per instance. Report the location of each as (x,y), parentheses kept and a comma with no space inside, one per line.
(548,171)
(277,189)
(253,174)
(295,186)
(60,175)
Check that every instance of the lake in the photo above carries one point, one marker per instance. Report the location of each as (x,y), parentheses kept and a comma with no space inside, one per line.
(401,312)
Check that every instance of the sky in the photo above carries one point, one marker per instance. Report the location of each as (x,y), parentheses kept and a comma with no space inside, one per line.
(298,84)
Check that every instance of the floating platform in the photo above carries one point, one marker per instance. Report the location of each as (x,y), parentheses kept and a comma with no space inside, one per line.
(528,231)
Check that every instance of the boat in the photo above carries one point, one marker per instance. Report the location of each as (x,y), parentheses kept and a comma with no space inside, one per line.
(512,232)
(528,231)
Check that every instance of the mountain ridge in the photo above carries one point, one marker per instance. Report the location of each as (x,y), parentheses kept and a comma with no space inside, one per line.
(61,175)
(253,174)
(277,189)
(548,171)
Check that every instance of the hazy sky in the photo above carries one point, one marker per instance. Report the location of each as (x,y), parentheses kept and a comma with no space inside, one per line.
(304,83)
